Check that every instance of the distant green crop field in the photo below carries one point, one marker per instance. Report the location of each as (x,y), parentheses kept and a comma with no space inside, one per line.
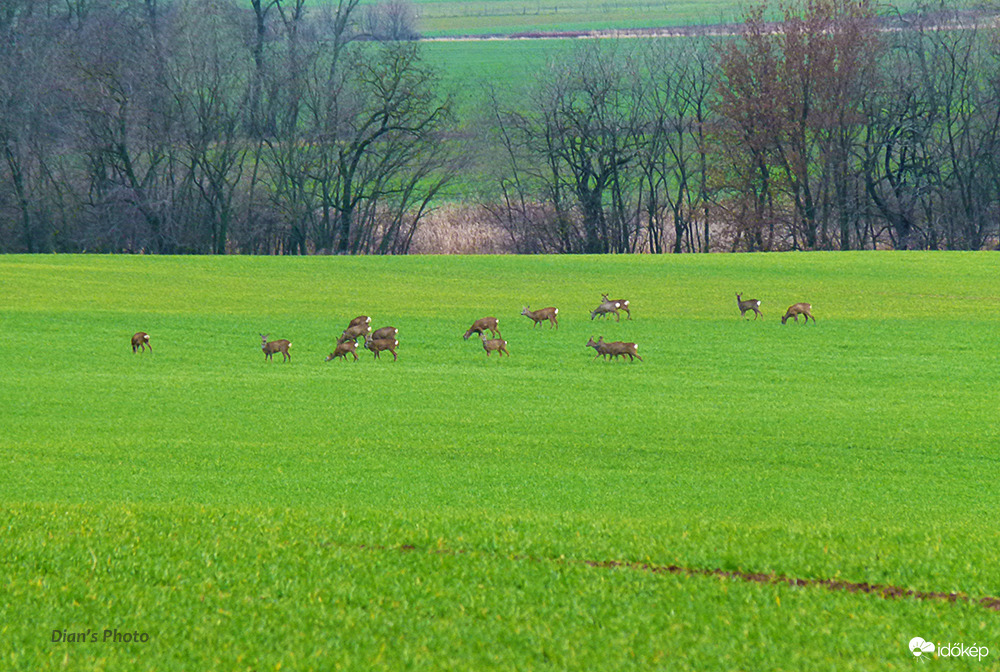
(453,511)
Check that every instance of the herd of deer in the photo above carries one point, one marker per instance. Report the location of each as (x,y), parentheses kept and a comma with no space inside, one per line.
(384,338)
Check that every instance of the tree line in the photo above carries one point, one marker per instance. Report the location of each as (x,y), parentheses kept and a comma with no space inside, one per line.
(278,127)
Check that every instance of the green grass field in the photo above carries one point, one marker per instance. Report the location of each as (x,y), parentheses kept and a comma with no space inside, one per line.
(449,511)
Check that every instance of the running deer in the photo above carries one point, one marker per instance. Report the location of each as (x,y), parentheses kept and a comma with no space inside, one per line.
(622,304)
(481,325)
(384,332)
(542,314)
(272,347)
(494,345)
(381,344)
(141,340)
(748,304)
(605,308)
(797,309)
(360,319)
(354,333)
(344,349)
(615,349)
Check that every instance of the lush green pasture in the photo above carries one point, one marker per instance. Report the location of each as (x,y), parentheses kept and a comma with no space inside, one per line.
(442,511)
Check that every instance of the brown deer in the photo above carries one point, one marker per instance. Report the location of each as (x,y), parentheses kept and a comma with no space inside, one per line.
(141,340)
(622,304)
(381,344)
(272,347)
(354,333)
(797,309)
(606,308)
(494,345)
(384,332)
(615,349)
(360,319)
(542,314)
(481,325)
(748,304)
(344,349)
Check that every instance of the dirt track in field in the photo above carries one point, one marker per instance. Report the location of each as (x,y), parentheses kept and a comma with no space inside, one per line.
(882,591)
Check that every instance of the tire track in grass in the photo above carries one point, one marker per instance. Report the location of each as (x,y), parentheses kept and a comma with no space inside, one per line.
(880,590)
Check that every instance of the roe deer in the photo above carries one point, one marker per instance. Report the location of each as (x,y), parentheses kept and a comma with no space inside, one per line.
(605,308)
(384,332)
(381,344)
(481,325)
(614,349)
(542,314)
(622,305)
(748,304)
(141,340)
(343,349)
(797,309)
(494,345)
(360,319)
(354,333)
(281,346)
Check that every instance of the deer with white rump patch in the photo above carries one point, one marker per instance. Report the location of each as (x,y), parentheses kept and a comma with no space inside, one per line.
(482,324)
(606,308)
(542,314)
(360,319)
(354,333)
(385,332)
(494,345)
(141,340)
(344,349)
(377,346)
(748,304)
(615,349)
(797,309)
(622,304)
(272,347)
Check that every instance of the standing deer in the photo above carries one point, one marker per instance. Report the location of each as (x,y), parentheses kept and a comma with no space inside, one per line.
(797,309)
(381,344)
(354,333)
(481,325)
(360,319)
(542,314)
(615,349)
(605,308)
(272,347)
(141,340)
(343,349)
(748,304)
(622,304)
(384,332)
(494,345)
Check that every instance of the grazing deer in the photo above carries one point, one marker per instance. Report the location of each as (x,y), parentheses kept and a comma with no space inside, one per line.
(354,333)
(605,308)
(269,349)
(622,304)
(377,346)
(343,349)
(615,349)
(384,332)
(748,304)
(494,345)
(360,319)
(481,325)
(797,309)
(141,340)
(542,314)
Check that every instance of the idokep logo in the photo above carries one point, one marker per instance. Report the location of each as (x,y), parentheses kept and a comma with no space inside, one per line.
(921,648)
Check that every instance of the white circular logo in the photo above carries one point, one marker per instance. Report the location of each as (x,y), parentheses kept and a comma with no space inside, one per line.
(919,647)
